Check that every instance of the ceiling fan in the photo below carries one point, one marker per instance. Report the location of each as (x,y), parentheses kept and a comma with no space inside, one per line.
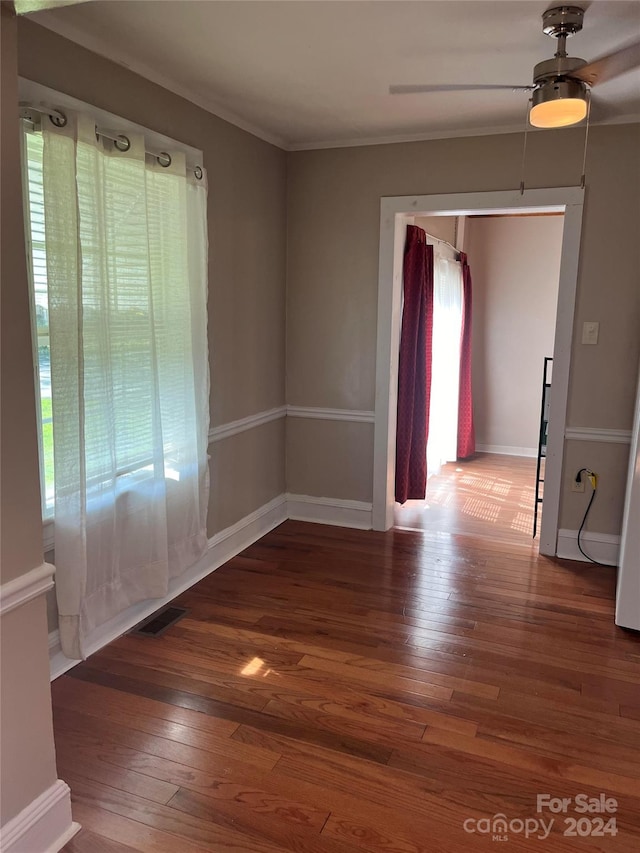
(561,86)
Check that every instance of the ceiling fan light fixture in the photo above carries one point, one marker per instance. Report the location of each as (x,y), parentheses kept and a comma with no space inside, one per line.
(558,103)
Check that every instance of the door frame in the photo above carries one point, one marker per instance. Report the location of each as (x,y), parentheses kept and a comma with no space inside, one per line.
(395,213)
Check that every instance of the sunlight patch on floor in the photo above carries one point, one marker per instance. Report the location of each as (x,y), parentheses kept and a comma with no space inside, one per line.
(477,483)
(521,522)
(439,497)
(502,487)
(482,509)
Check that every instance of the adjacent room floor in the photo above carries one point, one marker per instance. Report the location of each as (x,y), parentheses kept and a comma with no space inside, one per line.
(346,691)
(489,495)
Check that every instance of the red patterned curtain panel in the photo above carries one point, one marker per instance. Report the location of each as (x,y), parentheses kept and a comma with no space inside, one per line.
(466,430)
(414,370)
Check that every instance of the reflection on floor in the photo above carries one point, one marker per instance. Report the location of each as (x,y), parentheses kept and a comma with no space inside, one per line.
(490,495)
(352,691)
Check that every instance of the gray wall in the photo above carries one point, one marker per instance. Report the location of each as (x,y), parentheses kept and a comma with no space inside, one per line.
(26,734)
(333,235)
(515,266)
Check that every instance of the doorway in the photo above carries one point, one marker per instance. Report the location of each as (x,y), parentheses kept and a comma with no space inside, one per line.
(514,263)
(396,213)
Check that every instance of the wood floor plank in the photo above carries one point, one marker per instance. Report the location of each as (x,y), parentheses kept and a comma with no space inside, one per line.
(117,828)
(90,764)
(203,834)
(208,753)
(89,842)
(263,824)
(133,711)
(531,762)
(345,691)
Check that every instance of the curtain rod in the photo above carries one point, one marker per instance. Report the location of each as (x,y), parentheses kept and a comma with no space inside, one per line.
(120,141)
(446,242)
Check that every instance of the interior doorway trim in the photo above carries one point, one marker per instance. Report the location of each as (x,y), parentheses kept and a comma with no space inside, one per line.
(395,213)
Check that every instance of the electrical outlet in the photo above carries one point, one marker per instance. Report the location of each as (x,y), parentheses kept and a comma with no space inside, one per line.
(577,487)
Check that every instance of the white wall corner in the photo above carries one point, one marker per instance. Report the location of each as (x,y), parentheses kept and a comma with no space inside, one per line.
(335,511)
(602,547)
(44,826)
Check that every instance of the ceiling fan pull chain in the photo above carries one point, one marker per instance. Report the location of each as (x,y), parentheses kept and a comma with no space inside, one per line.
(586,138)
(524,146)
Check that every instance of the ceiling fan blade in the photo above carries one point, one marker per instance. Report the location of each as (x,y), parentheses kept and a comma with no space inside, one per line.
(608,67)
(418,89)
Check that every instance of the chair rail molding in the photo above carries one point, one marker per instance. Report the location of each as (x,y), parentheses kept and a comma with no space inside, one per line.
(217,433)
(605,436)
(320,414)
(20,590)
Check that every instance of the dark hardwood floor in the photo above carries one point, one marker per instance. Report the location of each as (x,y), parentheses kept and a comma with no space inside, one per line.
(346,691)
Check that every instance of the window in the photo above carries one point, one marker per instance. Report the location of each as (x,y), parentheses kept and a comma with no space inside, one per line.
(117,244)
(40,314)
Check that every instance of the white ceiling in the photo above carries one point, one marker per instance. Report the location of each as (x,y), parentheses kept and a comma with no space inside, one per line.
(307,74)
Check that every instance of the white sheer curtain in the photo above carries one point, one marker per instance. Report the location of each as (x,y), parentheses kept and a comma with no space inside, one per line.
(126,259)
(445,366)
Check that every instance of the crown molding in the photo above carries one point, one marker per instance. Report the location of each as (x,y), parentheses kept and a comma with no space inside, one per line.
(95,44)
(393,139)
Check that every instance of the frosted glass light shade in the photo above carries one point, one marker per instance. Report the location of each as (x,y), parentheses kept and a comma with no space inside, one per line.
(558,104)
(558,113)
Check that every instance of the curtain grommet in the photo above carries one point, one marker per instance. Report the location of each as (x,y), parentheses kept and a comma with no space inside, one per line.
(122,143)
(58,119)
(198,173)
(164,159)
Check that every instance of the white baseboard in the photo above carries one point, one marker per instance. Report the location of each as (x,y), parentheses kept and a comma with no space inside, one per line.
(602,547)
(341,513)
(222,547)
(507,450)
(45,825)
(230,541)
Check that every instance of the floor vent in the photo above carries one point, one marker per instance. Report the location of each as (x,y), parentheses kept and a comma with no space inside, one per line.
(160,621)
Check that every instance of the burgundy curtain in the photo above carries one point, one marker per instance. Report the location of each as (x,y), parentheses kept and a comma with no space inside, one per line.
(466,430)
(414,369)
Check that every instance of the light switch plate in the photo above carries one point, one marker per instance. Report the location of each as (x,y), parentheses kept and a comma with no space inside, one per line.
(590,331)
